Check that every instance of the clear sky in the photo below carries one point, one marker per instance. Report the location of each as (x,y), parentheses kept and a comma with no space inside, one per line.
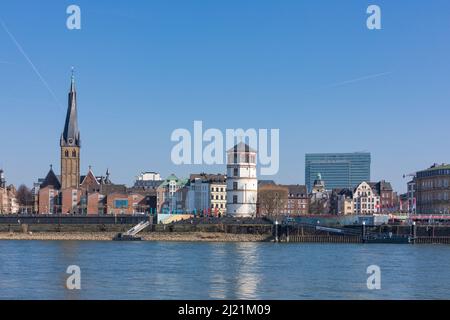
(144,68)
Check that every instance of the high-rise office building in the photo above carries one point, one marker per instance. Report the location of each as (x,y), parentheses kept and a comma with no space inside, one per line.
(338,170)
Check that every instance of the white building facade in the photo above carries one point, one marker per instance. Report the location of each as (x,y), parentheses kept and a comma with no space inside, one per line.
(242,182)
(365,199)
(207,194)
(148,180)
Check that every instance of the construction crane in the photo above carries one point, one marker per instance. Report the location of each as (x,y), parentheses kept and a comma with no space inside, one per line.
(413,175)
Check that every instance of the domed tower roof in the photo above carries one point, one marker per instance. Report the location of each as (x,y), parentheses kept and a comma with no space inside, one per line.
(241,147)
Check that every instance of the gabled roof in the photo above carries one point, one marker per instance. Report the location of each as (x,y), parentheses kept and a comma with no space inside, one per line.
(346,192)
(207,177)
(385,186)
(108,189)
(242,147)
(381,186)
(51,180)
(371,185)
(265,182)
(90,177)
(296,189)
(172,177)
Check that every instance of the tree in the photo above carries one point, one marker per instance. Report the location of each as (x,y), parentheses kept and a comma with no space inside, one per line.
(319,206)
(24,196)
(272,199)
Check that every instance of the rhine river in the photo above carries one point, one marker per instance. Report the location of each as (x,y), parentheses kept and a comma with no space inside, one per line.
(165,270)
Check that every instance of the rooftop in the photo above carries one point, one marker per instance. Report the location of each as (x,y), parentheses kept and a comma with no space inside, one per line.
(437,167)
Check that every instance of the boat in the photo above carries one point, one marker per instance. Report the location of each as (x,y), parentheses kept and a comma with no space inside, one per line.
(126,237)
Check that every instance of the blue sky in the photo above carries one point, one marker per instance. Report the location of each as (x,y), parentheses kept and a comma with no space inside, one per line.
(144,69)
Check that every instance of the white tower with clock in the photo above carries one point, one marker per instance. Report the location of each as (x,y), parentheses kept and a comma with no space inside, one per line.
(242,182)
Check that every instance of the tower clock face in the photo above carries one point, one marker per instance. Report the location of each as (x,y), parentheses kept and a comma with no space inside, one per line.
(71,141)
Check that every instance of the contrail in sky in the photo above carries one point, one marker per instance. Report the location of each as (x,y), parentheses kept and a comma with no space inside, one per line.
(372,76)
(19,47)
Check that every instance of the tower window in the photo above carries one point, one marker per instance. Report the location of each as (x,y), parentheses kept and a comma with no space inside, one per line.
(74,153)
(66,153)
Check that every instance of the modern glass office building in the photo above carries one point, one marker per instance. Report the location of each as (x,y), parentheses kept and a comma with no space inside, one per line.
(338,170)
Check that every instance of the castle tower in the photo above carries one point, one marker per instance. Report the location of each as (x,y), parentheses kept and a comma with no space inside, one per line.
(70,144)
(242,183)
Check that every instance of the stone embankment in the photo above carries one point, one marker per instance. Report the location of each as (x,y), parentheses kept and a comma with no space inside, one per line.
(147,236)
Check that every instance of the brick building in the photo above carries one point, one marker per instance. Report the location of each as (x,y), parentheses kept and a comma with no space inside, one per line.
(432,192)
(388,198)
(298,200)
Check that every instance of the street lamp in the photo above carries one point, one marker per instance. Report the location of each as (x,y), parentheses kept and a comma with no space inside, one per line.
(276,230)
(364,230)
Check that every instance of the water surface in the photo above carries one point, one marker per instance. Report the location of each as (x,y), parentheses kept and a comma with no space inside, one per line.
(165,270)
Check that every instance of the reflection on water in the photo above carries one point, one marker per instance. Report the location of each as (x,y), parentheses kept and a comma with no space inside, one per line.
(218,284)
(159,270)
(247,271)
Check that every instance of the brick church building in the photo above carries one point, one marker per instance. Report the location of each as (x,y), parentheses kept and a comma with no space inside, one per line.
(73,193)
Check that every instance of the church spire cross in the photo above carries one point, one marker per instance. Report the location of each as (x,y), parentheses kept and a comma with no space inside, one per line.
(72,80)
(71,135)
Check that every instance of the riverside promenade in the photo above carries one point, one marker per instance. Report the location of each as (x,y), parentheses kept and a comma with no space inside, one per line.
(213,229)
(104,228)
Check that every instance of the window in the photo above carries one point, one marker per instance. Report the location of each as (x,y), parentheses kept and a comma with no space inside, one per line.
(235,172)
(121,203)
(66,153)
(235,185)
(74,153)
(235,199)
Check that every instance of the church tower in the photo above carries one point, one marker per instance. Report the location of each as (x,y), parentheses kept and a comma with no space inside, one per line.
(70,144)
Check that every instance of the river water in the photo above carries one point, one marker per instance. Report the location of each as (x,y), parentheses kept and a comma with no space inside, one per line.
(165,270)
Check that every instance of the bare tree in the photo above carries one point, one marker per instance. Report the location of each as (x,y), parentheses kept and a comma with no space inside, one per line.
(272,199)
(319,206)
(24,196)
